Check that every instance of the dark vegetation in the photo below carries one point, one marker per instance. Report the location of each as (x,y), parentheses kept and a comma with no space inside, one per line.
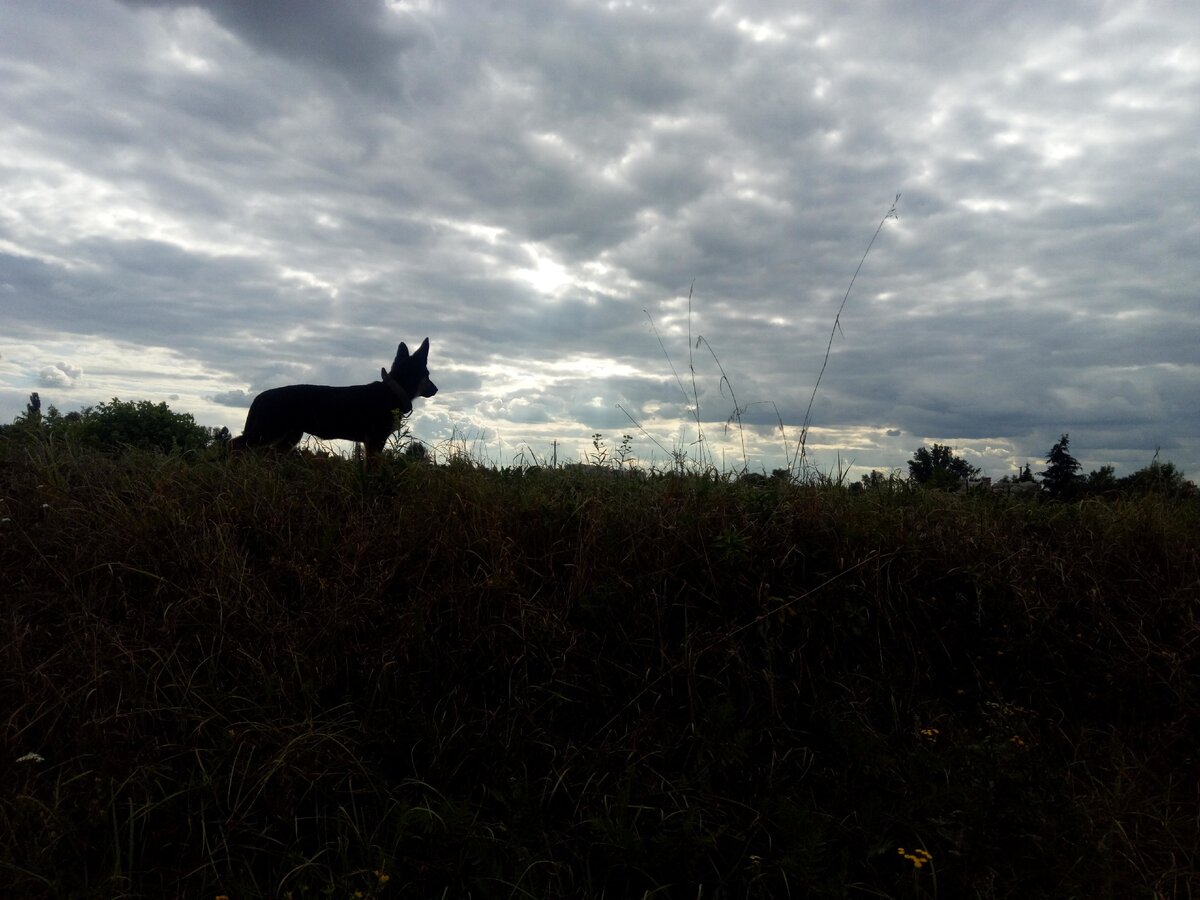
(940,468)
(297,677)
(115,426)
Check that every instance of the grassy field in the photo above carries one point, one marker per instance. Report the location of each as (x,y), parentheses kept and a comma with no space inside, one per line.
(293,678)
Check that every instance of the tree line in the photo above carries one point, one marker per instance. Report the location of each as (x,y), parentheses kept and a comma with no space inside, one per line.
(118,423)
(1062,479)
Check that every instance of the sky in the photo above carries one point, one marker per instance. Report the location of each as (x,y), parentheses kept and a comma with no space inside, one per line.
(619,218)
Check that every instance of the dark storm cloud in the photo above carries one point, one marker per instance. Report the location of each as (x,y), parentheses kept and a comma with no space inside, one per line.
(355,40)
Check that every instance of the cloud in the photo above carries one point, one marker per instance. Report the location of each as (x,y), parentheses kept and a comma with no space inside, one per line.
(278,193)
(359,41)
(59,374)
(239,399)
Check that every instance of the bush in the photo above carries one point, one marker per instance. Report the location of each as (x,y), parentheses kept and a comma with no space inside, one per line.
(121,423)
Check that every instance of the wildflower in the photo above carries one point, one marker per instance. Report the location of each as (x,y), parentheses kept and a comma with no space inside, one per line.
(930,733)
(1017,741)
(917,857)
(383,877)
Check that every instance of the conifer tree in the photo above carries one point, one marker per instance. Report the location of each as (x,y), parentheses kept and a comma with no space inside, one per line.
(1061,479)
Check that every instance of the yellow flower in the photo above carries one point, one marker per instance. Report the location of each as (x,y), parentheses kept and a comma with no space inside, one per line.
(918,857)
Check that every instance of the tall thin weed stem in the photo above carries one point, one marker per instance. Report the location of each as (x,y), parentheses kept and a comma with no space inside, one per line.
(800,455)
(736,415)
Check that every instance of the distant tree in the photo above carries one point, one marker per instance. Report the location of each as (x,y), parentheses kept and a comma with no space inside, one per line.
(881,481)
(60,423)
(1101,481)
(939,467)
(1061,479)
(33,409)
(1023,476)
(874,479)
(28,421)
(141,424)
(1158,478)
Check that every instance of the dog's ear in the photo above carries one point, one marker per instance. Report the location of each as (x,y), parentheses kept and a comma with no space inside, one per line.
(423,351)
(402,352)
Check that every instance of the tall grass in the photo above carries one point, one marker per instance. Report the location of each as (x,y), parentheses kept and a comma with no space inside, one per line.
(267,678)
(799,466)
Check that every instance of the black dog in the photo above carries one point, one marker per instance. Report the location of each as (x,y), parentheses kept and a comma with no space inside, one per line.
(278,418)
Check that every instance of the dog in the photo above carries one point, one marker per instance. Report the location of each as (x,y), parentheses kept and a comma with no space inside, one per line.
(362,413)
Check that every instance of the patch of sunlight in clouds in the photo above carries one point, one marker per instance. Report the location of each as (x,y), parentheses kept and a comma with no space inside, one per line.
(552,279)
(532,375)
(56,205)
(547,276)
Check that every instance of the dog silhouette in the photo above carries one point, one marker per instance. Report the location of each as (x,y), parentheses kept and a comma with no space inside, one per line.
(362,413)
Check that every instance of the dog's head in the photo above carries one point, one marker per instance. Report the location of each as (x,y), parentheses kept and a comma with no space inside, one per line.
(409,377)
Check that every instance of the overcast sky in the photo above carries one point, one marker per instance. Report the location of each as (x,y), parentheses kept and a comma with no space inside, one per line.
(199,201)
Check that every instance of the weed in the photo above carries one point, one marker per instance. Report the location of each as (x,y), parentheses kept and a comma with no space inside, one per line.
(271,677)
